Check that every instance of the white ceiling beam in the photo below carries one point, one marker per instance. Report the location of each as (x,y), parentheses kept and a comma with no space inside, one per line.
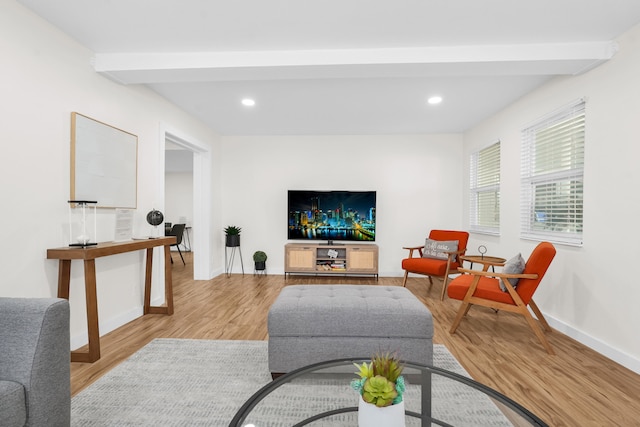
(528,59)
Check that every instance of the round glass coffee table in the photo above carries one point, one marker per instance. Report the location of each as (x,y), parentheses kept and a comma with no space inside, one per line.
(320,395)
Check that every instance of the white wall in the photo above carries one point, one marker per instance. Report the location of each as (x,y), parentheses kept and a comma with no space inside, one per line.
(421,183)
(178,192)
(45,76)
(178,203)
(417,180)
(590,292)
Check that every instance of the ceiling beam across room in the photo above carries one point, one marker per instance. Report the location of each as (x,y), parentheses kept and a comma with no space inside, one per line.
(334,67)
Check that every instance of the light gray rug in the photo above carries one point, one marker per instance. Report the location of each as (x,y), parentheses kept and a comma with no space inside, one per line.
(179,382)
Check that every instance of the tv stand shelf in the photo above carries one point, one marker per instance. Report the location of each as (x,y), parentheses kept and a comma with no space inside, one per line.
(320,259)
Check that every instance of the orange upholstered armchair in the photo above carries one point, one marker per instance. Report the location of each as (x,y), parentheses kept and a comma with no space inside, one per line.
(486,288)
(438,257)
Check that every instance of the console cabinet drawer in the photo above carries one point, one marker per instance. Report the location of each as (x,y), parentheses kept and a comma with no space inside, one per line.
(300,258)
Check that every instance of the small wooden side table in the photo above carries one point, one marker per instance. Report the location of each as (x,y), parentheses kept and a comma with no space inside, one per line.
(486,261)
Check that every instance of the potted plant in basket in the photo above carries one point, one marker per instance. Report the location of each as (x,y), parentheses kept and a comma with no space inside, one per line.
(260,260)
(380,386)
(232,236)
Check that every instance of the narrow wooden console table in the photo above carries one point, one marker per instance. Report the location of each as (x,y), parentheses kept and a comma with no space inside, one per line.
(89,255)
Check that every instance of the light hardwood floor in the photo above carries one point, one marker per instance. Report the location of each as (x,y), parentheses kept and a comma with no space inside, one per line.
(576,387)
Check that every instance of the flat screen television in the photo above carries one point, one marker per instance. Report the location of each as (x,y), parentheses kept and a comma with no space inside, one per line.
(332,215)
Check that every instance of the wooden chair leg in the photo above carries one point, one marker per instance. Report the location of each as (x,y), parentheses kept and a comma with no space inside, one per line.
(462,311)
(430,283)
(537,330)
(465,305)
(467,310)
(180,252)
(445,282)
(404,282)
(539,315)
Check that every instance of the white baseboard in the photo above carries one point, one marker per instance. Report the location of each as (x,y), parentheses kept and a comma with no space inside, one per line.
(112,324)
(215,273)
(618,356)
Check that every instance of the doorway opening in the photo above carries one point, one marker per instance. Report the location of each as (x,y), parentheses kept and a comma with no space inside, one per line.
(198,237)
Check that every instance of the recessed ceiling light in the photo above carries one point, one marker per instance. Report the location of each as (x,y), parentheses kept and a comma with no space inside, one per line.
(248,102)
(435,100)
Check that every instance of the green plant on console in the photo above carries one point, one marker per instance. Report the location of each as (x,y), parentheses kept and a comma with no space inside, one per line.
(381,382)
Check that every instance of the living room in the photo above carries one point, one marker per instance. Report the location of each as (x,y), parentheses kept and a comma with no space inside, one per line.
(421,183)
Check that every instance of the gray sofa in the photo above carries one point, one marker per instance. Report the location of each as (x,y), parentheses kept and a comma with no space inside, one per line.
(34,362)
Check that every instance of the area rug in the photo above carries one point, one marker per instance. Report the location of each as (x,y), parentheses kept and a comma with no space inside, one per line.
(181,382)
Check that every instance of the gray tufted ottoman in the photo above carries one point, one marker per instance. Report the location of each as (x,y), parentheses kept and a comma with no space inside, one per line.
(313,323)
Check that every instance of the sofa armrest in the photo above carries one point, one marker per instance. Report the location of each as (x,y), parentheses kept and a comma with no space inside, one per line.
(35,353)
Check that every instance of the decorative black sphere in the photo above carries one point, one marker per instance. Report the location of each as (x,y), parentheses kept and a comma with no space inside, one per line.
(155,218)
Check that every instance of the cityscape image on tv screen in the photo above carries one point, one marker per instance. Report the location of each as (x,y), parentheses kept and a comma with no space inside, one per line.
(332,215)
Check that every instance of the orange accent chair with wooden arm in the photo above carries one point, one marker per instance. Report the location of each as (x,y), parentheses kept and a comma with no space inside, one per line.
(441,265)
(475,287)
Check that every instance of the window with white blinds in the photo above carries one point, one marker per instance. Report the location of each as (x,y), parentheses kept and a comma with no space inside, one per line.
(484,190)
(552,176)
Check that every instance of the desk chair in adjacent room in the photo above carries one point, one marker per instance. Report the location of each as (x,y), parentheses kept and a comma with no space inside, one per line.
(177,230)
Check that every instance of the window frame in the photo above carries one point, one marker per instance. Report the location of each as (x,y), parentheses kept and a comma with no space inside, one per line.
(552,181)
(484,179)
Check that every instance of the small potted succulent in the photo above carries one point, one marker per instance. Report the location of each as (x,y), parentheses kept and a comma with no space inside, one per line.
(380,386)
(232,236)
(260,260)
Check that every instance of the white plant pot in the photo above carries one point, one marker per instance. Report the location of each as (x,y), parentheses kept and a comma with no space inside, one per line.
(370,415)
